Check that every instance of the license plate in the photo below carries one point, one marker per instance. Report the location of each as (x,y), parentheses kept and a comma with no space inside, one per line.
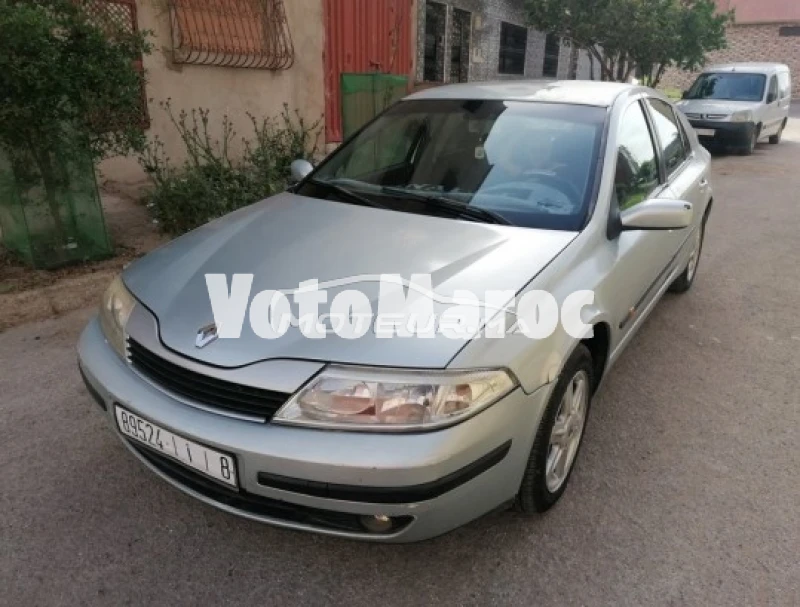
(706,132)
(212,463)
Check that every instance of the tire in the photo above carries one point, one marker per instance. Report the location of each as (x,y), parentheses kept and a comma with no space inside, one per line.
(776,138)
(750,146)
(537,493)
(685,281)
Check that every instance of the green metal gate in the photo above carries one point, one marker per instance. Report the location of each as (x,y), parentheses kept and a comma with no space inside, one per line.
(364,96)
(53,219)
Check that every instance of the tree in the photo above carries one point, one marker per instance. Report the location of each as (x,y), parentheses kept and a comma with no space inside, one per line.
(623,35)
(68,88)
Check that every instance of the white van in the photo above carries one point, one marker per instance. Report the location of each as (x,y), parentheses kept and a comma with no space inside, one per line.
(738,104)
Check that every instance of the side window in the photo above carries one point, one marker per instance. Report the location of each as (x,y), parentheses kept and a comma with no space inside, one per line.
(784,85)
(672,144)
(636,174)
(773,87)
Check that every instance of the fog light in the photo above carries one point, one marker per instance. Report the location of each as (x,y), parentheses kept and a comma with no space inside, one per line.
(379,523)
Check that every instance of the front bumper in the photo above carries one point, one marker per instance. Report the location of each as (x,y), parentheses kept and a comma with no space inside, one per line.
(323,481)
(725,133)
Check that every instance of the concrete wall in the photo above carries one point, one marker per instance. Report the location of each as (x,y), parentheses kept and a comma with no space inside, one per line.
(759,42)
(232,91)
(487,17)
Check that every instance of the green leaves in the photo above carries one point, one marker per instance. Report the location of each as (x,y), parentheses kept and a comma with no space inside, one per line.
(212,182)
(67,80)
(625,34)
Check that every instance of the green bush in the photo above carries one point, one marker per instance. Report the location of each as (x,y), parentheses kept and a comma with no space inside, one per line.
(210,183)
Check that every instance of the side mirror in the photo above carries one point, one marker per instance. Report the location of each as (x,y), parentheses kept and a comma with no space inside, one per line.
(658,214)
(300,169)
(684,94)
(771,97)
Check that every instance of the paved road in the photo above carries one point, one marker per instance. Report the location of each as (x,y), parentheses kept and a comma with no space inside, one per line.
(687,493)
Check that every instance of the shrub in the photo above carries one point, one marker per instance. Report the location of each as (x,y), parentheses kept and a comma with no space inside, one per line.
(211,183)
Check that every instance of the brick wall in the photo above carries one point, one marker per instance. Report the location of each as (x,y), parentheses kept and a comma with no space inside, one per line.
(749,43)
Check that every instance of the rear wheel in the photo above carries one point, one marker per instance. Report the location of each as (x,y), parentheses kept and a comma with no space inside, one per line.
(685,281)
(559,437)
(776,138)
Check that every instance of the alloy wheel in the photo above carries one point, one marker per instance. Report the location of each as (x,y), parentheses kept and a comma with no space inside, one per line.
(565,437)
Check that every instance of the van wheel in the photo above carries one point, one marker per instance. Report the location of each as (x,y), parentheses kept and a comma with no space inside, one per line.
(750,146)
(776,138)
(559,437)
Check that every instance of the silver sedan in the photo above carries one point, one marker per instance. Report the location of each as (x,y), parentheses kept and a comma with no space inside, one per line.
(516,188)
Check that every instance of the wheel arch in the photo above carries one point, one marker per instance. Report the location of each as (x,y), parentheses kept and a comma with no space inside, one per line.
(599,345)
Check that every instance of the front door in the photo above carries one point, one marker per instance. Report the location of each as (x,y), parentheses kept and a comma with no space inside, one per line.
(773,115)
(641,257)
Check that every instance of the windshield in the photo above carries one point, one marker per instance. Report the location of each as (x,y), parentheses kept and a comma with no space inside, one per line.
(528,164)
(728,86)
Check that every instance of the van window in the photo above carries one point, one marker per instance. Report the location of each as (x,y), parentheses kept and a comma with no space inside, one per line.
(773,87)
(784,85)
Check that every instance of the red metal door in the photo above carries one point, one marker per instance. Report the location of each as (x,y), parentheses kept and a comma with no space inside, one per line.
(363,36)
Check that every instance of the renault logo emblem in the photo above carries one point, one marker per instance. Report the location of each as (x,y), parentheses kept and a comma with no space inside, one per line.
(206,335)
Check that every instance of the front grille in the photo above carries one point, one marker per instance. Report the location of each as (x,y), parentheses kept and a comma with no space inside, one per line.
(204,389)
(257,504)
(693,116)
(716,116)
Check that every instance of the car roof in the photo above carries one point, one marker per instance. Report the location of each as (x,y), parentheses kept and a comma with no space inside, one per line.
(748,66)
(579,92)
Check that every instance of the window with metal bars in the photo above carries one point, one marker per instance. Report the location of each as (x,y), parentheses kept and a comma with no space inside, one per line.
(113,16)
(231,33)
(513,44)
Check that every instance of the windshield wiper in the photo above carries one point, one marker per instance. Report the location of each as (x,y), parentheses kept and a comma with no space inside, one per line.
(448,204)
(347,195)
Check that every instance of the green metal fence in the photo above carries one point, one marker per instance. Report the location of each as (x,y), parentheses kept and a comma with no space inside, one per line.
(364,96)
(50,211)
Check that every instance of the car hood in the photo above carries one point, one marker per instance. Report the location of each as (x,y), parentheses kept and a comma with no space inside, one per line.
(712,106)
(289,239)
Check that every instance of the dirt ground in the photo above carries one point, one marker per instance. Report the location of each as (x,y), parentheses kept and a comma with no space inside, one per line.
(29,295)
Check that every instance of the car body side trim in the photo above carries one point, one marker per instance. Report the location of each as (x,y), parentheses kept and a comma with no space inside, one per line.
(387,495)
(657,282)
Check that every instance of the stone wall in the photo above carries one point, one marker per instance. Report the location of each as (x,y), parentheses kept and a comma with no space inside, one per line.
(759,42)
(484,56)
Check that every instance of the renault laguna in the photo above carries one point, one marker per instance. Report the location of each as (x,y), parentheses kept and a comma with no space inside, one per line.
(521,188)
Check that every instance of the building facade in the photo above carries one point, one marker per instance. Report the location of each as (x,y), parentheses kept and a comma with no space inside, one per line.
(764,30)
(231,63)
(479,40)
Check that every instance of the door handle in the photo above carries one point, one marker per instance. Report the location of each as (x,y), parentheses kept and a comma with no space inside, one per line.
(704,183)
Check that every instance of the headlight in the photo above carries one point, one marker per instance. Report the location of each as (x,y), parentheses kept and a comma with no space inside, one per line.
(358,398)
(742,116)
(114,313)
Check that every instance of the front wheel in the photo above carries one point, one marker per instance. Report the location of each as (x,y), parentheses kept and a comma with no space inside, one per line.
(750,146)
(558,439)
